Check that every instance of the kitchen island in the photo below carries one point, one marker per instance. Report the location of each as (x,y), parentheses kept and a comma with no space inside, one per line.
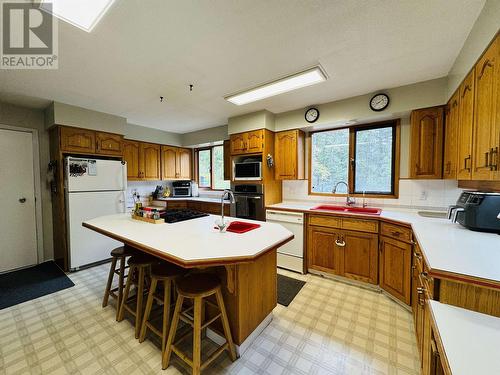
(246,263)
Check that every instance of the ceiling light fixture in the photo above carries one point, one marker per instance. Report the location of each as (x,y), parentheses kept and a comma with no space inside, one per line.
(291,82)
(82,14)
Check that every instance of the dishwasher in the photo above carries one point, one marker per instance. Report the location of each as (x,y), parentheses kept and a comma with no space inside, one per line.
(290,255)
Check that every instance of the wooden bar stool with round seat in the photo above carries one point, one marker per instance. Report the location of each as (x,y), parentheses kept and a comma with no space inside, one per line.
(118,254)
(198,287)
(164,273)
(139,268)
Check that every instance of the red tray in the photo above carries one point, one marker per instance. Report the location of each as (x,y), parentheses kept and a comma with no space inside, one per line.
(241,227)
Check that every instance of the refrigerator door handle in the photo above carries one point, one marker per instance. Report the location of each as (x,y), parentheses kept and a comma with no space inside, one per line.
(124,175)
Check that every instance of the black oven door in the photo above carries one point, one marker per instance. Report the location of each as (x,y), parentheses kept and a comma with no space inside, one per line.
(249,206)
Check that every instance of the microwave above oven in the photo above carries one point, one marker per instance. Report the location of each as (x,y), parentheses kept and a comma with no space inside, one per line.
(247,170)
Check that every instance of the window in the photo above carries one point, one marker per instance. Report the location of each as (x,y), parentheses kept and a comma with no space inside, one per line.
(210,162)
(364,157)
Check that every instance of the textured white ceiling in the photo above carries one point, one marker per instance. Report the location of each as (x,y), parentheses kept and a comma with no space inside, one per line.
(144,49)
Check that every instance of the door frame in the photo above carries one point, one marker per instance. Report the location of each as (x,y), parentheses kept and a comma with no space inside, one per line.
(37,186)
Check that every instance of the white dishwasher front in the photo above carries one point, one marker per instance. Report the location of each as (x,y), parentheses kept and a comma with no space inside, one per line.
(290,255)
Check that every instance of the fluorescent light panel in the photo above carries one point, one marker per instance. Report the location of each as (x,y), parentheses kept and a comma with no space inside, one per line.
(296,81)
(84,14)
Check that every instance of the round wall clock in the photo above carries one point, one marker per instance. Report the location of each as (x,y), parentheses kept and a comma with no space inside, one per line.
(379,102)
(312,114)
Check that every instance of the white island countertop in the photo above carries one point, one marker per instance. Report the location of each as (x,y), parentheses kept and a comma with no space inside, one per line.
(469,339)
(450,249)
(192,243)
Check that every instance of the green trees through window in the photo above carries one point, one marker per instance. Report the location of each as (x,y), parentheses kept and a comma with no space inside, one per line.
(211,168)
(367,165)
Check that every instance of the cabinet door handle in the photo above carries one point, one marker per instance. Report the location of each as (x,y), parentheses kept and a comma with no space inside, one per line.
(340,244)
(396,233)
(494,151)
(465,163)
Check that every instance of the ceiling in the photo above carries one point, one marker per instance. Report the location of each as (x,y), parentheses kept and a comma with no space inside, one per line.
(137,53)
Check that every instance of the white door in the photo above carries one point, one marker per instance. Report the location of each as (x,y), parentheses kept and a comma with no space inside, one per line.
(18,244)
(87,246)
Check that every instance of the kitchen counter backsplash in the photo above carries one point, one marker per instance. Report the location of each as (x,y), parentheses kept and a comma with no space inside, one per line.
(435,194)
(146,188)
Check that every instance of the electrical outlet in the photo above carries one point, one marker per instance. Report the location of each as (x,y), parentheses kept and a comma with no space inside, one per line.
(423,195)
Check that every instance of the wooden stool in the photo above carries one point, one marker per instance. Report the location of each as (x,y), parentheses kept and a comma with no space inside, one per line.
(120,253)
(139,267)
(198,287)
(164,273)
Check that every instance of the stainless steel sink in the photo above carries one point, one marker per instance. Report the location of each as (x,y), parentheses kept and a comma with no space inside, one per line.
(433,214)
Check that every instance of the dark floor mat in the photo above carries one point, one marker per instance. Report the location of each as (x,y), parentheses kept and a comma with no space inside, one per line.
(288,289)
(30,283)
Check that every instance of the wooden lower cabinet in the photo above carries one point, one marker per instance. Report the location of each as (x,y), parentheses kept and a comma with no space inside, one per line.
(359,256)
(323,254)
(395,266)
(344,253)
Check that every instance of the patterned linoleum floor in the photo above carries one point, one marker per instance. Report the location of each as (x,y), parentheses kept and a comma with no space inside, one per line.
(329,328)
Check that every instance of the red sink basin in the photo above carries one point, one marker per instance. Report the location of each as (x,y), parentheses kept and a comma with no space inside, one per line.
(347,209)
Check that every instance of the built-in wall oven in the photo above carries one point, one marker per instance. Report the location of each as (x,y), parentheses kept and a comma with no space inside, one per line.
(249,201)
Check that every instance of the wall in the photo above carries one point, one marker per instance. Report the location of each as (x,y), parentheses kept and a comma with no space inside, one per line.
(483,31)
(356,110)
(141,133)
(251,121)
(205,136)
(69,115)
(34,119)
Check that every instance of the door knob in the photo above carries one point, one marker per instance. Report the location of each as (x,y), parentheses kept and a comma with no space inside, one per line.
(22,200)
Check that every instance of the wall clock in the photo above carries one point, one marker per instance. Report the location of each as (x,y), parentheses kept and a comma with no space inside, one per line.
(379,102)
(312,114)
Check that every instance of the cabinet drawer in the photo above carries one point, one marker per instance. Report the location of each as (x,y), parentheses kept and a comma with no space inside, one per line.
(360,225)
(325,221)
(395,231)
(175,205)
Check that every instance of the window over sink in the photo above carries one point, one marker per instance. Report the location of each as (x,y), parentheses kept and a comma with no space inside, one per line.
(366,157)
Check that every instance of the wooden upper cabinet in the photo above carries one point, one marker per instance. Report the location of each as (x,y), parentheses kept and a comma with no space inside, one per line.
(323,254)
(176,163)
(131,156)
(255,141)
(395,268)
(451,138)
(227,159)
(426,143)
(149,161)
(77,140)
(486,117)
(289,155)
(247,143)
(168,162)
(109,144)
(238,143)
(465,127)
(183,163)
(360,256)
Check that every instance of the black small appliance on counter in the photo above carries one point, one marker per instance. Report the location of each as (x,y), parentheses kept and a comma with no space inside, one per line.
(477,211)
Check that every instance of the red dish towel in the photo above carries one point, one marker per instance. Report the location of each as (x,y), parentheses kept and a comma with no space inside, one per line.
(241,227)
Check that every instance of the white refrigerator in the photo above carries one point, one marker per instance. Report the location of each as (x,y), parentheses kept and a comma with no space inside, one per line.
(93,187)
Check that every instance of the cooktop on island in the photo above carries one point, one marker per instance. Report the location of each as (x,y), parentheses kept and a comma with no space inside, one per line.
(174,216)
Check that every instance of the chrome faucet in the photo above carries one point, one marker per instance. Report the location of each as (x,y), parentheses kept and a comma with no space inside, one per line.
(230,195)
(349,200)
